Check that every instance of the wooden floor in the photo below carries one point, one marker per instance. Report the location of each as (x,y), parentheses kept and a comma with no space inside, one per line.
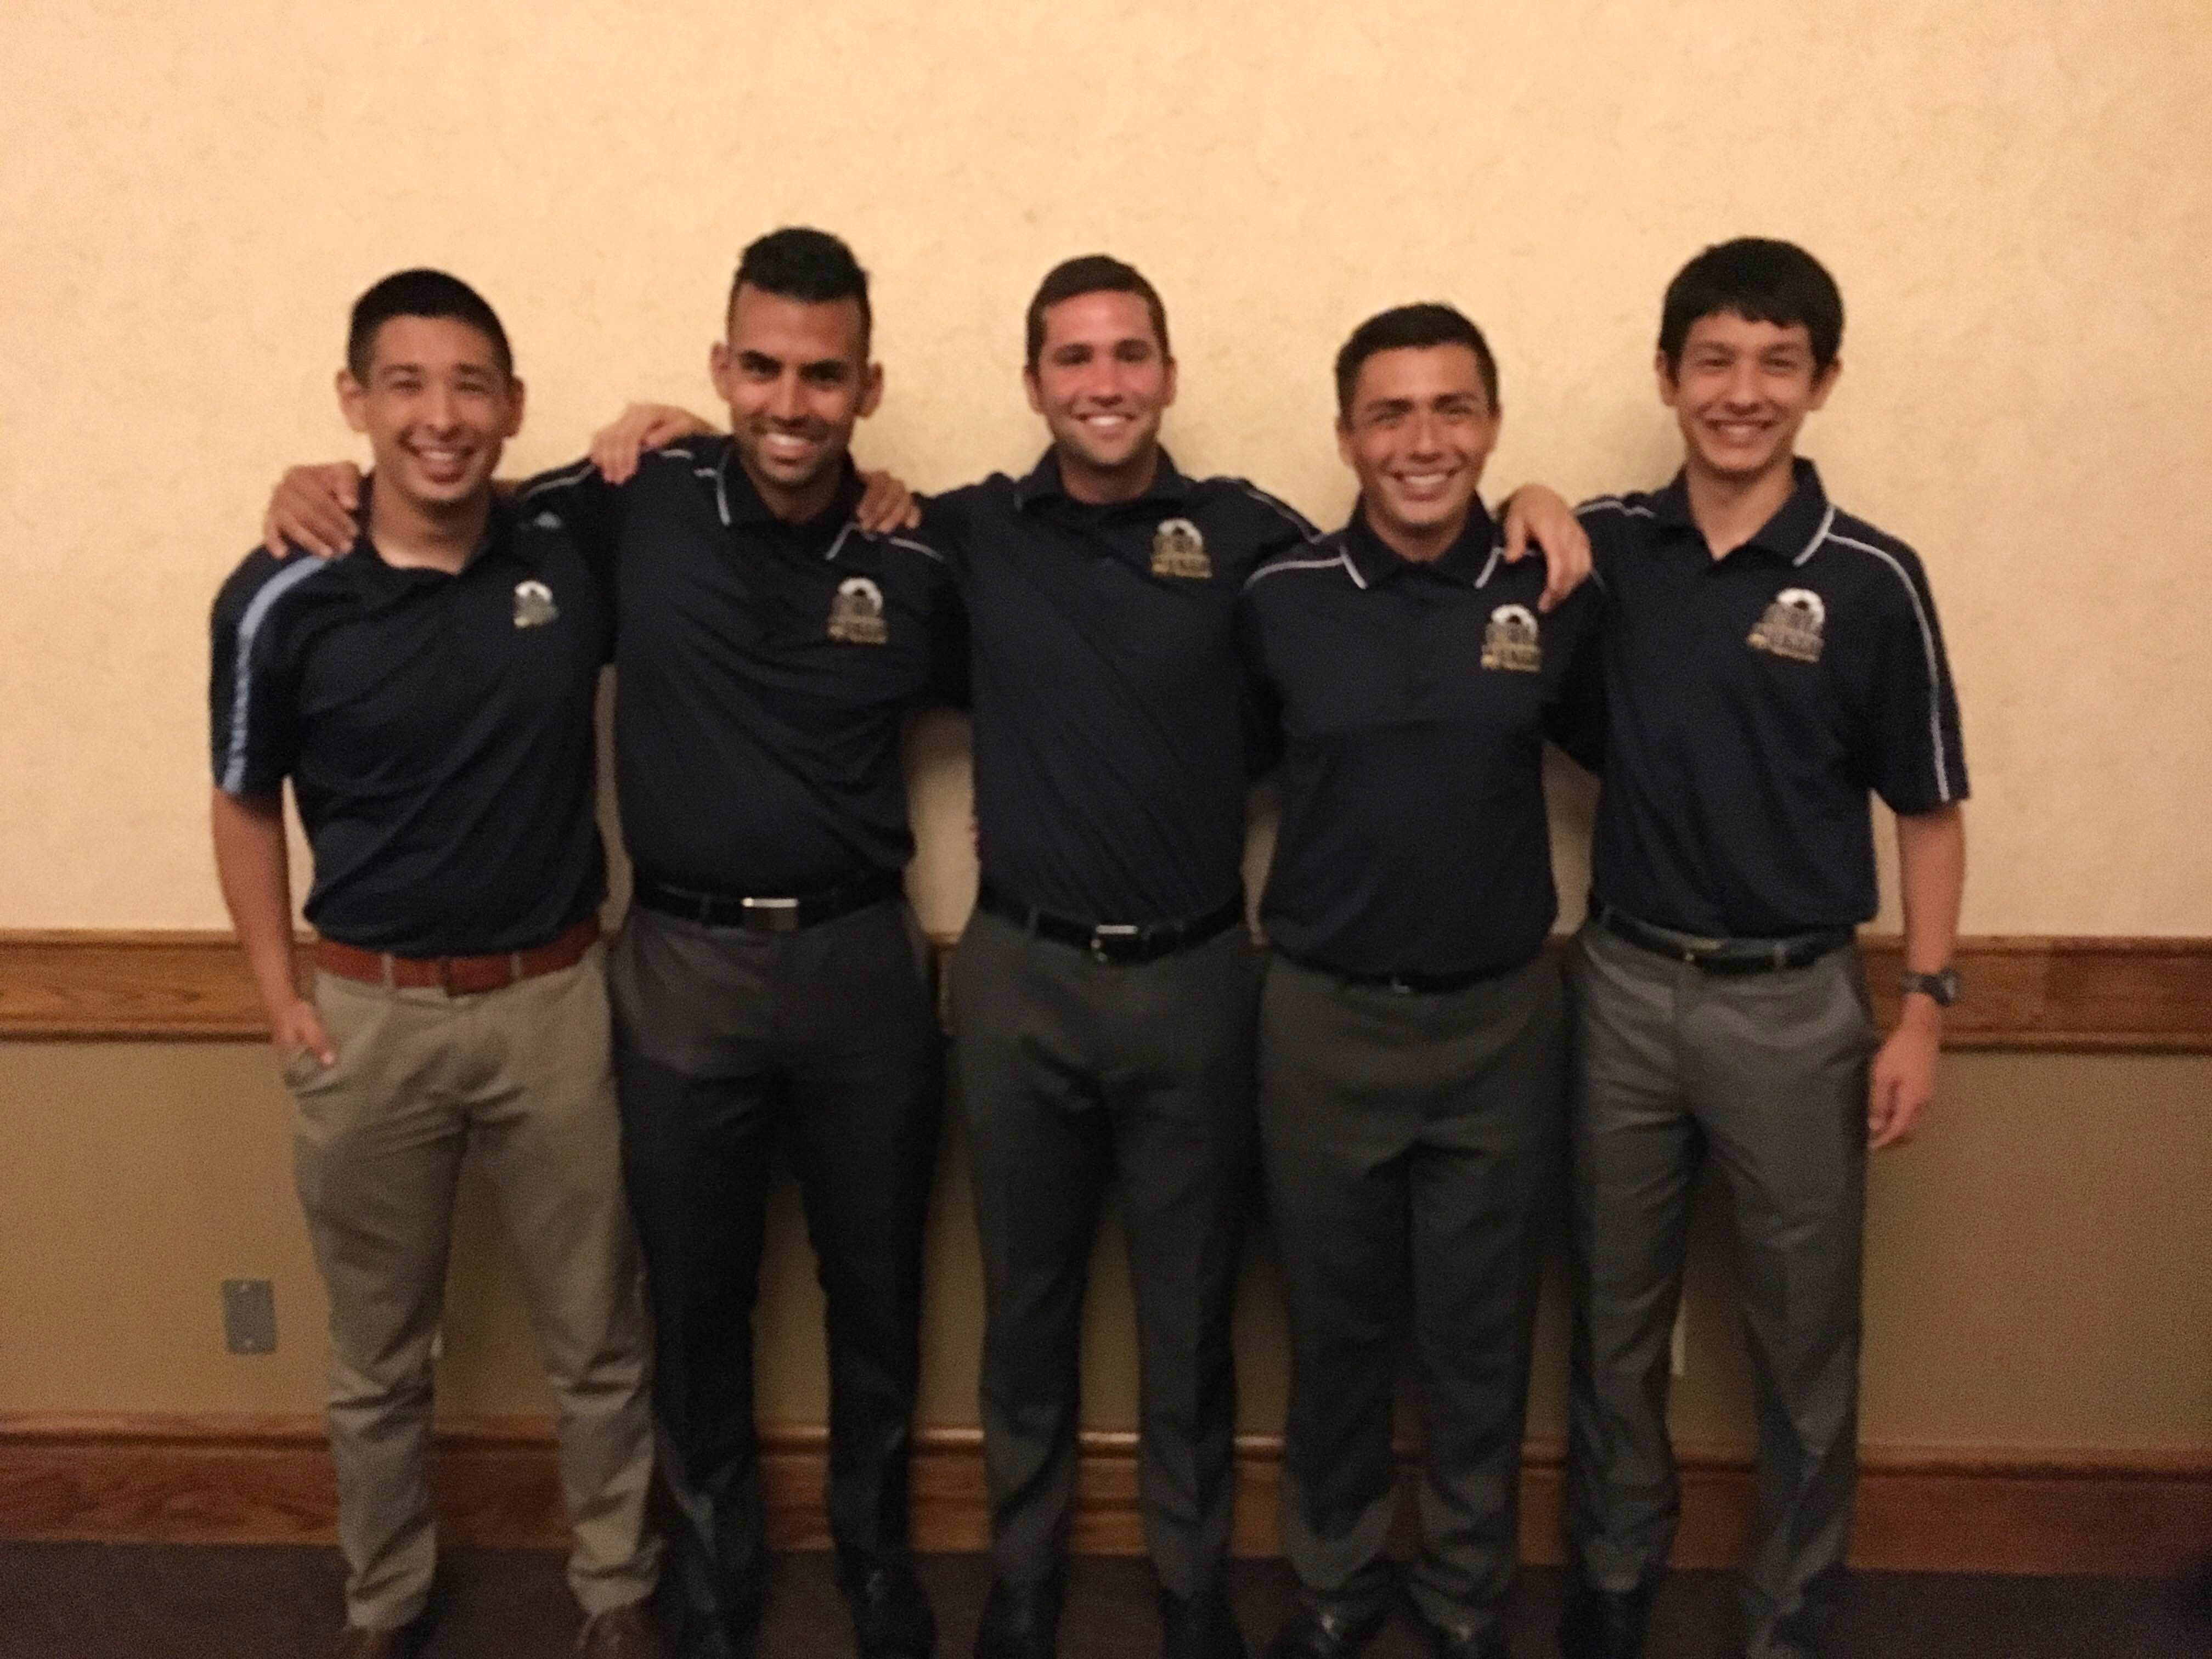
(198,1602)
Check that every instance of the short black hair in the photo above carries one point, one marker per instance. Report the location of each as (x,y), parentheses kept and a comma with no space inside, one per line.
(1760,281)
(420,293)
(1091,273)
(1429,323)
(796,262)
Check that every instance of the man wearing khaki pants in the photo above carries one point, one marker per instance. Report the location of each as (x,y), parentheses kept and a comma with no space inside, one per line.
(430,697)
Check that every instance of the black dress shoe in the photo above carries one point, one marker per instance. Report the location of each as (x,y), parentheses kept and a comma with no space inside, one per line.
(1201,1626)
(1467,1642)
(891,1614)
(1600,1624)
(1020,1623)
(1328,1632)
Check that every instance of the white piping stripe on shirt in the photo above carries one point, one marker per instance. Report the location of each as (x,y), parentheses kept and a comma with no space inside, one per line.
(1617,504)
(922,548)
(1497,549)
(1304,524)
(241,681)
(1827,523)
(567,479)
(1927,651)
(836,546)
(1270,568)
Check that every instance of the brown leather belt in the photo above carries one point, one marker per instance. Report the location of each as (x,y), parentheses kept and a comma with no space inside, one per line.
(457,975)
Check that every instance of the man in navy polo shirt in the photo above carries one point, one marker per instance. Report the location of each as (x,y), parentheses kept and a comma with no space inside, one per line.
(430,697)
(770,986)
(1768,659)
(1412,1054)
(1104,995)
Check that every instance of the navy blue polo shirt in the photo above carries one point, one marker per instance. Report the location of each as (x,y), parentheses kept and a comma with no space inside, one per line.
(437,730)
(1753,702)
(763,669)
(1414,699)
(1112,742)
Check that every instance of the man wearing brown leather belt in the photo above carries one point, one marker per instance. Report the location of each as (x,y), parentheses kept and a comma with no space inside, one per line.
(430,699)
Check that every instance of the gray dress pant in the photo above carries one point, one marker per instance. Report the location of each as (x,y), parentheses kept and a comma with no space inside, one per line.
(1075,1074)
(1412,1142)
(733,1045)
(1767,1074)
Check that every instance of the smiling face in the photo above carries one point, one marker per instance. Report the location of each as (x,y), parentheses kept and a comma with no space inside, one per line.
(1102,380)
(796,376)
(1739,391)
(1418,429)
(437,404)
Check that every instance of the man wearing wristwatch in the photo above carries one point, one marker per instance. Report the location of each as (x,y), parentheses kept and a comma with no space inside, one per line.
(1768,660)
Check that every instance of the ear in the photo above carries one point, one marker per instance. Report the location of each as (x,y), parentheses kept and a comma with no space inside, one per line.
(1825,382)
(1035,391)
(1167,384)
(871,390)
(1669,388)
(718,369)
(516,392)
(1344,440)
(352,396)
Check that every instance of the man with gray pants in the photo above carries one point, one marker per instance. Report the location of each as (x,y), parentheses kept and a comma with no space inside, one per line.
(1413,1044)
(1768,660)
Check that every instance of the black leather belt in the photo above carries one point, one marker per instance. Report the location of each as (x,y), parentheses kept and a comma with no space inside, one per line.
(1408,984)
(1723,955)
(785,914)
(1110,942)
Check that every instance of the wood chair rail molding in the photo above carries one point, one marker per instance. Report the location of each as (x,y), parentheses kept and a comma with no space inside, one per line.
(235,1479)
(2094,995)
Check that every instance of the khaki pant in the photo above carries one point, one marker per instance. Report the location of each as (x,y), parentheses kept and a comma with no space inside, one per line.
(520,1079)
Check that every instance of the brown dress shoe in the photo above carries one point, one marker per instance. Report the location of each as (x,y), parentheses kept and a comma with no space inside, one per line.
(624,1632)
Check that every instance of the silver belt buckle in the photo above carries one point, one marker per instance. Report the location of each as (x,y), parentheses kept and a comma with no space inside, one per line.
(780,915)
(1101,934)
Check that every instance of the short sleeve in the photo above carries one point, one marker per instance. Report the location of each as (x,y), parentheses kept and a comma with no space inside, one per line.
(1574,709)
(252,701)
(1916,760)
(586,506)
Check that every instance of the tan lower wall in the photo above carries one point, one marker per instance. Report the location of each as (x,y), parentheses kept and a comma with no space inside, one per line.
(2035,1279)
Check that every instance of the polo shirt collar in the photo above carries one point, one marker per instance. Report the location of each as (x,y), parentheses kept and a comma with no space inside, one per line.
(1468,561)
(1793,533)
(498,535)
(1044,483)
(742,509)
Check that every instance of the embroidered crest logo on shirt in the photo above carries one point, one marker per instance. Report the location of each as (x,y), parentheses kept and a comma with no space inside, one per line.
(1511,642)
(1179,550)
(856,615)
(533,605)
(1791,627)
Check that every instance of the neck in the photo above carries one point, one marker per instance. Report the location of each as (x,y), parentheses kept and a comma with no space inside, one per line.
(410,535)
(1100,485)
(797,503)
(1417,545)
(1729,511)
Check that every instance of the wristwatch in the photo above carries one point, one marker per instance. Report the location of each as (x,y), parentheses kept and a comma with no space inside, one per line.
(1941,988)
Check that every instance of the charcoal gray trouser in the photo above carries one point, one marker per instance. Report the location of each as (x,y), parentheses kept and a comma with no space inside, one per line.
(1412,1142)
(1076,1074)
(1767,1074)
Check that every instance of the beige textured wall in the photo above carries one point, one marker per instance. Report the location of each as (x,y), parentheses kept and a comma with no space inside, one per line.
(2035,1266)
(2014,193)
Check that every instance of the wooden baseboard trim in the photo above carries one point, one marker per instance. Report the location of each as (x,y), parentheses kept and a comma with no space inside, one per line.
(2096,995)
(230,1479)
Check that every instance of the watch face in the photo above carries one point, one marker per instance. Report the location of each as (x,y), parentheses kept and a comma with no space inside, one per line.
(1943,988)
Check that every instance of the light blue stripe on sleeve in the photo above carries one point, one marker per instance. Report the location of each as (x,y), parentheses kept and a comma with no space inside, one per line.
(241,684)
